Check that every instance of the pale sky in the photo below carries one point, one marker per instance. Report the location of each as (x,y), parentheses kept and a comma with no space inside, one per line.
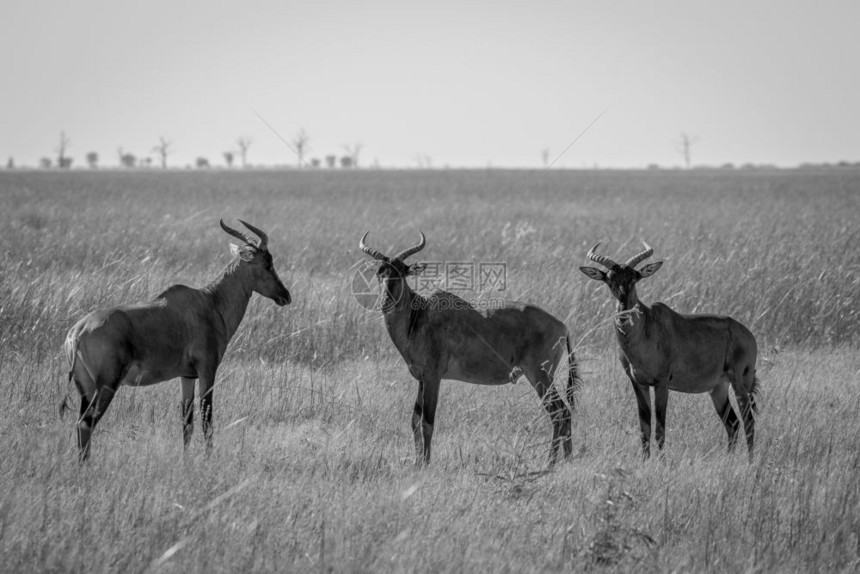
(468,84)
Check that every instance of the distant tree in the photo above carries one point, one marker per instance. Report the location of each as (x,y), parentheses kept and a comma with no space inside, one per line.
(45,163)
(228,158)
(201,163)
(65,143)
(331,161)
(244,143)
(146,162)
(93,160)
(544,155)
(424,161)
(126,160)
(685,145)
(315,162)
(11,163)
(300,145)
(354,151)
(163,150)
(346,162)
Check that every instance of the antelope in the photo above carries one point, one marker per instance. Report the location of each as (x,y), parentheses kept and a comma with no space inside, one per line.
(181,333)
(666,350)
(444,337)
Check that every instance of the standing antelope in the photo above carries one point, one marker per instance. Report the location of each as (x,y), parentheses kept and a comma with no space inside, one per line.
(182,333)
(445,337)
(686,353)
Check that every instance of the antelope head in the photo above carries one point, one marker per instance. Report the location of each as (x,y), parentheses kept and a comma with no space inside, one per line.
(255,257)
(393,271)
(622,277)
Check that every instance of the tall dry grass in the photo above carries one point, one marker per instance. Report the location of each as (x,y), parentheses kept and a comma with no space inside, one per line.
(311,467)
(780,251)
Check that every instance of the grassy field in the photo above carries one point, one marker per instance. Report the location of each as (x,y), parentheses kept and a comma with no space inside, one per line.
(312,465)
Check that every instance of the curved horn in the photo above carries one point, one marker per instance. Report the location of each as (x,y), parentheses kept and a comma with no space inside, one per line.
(238,234)
(412,250)
(264,239)
(370,250)
(602,259)
(637,259)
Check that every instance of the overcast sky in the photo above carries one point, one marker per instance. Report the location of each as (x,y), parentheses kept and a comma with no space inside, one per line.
(466,84)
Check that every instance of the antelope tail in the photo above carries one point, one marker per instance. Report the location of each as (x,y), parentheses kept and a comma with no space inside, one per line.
(70,346)
(64,402)
(573,380)
(756,389)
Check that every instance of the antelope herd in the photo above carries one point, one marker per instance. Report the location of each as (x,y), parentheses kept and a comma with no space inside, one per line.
(183,333)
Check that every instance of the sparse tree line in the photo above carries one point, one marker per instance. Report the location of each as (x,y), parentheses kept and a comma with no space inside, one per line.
(300,145)
(164,148)
(349,159)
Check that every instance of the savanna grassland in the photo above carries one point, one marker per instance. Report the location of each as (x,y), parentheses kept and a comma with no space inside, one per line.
(312,470)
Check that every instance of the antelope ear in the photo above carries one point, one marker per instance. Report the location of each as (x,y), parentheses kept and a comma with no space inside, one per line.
(594,273)
(649,269)
(416,268)
(243,254)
